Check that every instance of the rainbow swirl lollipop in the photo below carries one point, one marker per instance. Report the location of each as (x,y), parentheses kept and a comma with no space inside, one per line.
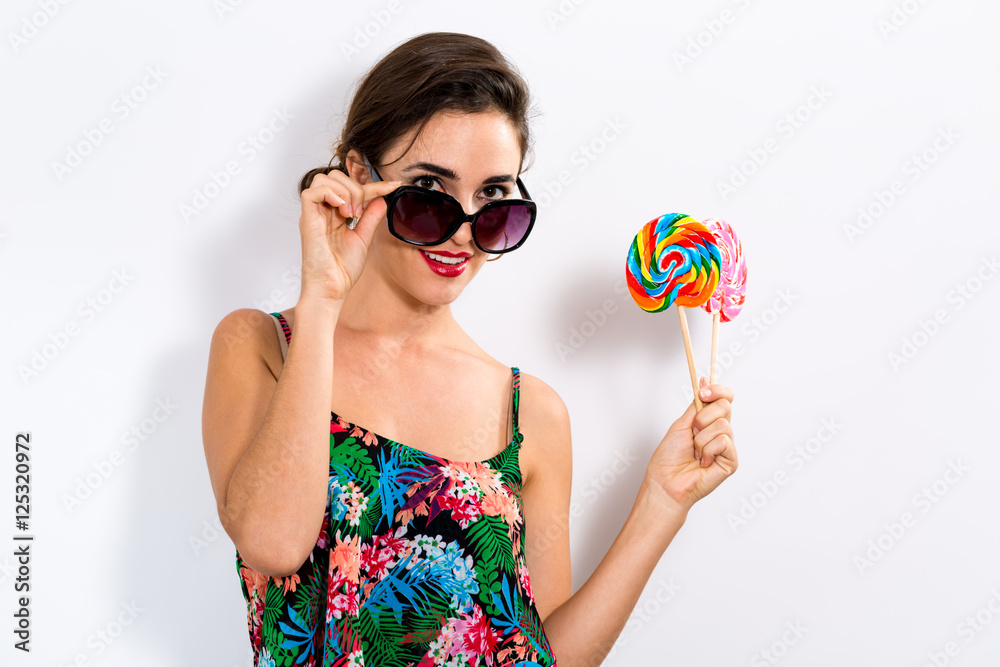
(673,259)
(728,298)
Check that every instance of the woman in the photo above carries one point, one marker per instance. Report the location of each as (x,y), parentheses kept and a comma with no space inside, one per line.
(446,480)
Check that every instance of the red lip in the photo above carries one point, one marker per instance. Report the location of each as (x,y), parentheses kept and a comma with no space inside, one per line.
(446,270)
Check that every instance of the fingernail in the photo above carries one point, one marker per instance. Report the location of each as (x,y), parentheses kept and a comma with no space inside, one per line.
(356,211)
(395,182)
(705,393)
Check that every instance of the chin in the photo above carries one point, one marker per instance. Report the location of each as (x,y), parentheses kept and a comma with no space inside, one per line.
(438,291)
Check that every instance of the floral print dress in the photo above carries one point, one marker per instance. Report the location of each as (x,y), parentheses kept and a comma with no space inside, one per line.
(420,561)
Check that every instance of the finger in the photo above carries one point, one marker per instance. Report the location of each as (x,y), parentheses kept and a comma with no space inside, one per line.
(720,409)
(713,392)
(684,421)
(373,191)
(718,427)
(379,188)
(370,220)
(324,190)
(349,189)
(723,449)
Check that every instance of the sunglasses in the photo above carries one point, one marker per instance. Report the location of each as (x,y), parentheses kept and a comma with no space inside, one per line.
(425,217)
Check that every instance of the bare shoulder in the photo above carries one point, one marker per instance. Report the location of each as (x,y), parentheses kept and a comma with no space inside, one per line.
(238,387)
(539,400)
(248,333)
(544,420)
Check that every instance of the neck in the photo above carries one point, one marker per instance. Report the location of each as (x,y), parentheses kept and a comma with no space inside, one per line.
(381,309)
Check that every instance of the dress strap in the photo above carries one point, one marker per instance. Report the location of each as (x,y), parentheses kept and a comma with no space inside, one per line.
(284,333)
(517,390)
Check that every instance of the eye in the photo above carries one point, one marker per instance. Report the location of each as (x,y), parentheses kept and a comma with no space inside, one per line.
(425,181)
(499,192)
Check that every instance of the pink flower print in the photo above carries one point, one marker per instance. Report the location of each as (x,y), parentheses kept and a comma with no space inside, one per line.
(341,598)
(356,432)
(476,636)
(346,557)
(522,576)
(461,511)
(439,649)
(395,542)
(498,504)
(370,439)
(375,562)
(487,479)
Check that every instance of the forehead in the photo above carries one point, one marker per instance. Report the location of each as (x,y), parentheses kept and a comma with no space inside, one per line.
(478,144)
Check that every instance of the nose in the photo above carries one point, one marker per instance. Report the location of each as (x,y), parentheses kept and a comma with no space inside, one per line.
(463,234)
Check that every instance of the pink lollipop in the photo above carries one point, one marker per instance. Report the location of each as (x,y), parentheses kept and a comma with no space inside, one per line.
(727,299)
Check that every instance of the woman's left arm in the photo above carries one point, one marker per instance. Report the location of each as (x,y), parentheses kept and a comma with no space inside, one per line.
(694,457)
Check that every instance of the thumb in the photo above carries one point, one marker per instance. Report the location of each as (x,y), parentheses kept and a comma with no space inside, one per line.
(685,421)
(370,219)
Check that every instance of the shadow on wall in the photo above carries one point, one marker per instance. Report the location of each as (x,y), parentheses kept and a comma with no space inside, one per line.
(624,362)
(177,562)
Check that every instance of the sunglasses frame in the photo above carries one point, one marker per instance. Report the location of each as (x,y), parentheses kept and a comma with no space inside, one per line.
(392,197)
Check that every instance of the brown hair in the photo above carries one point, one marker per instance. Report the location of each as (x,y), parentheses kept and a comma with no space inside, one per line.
(432,72)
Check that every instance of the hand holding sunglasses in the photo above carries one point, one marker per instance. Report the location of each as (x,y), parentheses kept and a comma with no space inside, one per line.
(334,251)
(425,217)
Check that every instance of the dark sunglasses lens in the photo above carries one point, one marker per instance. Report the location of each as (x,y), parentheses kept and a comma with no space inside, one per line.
(422,218)
(503,227)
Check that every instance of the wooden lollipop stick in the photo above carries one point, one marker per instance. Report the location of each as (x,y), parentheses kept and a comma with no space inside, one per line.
(715,347)
(690,356)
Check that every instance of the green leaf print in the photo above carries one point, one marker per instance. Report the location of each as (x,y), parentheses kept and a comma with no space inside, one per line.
(384,640)
(371,517)
(488,576)
(506,463)
(274,604)
(490,542)
(355,457)
(309,594)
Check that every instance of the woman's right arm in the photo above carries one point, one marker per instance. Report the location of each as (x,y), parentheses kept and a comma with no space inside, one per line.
(267,443)
(267,439)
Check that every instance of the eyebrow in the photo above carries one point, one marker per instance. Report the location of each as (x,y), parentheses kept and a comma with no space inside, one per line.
(449,174)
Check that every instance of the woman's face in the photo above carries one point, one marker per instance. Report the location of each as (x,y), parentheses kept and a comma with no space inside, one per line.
(458,154)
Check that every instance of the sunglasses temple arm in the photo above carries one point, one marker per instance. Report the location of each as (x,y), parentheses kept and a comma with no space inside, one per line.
(372,173)
(524,190)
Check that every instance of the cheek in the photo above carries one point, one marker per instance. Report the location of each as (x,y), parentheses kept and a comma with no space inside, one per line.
(384,243)
(476,263)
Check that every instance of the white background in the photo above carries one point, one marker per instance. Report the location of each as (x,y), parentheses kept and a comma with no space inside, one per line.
(894,78)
